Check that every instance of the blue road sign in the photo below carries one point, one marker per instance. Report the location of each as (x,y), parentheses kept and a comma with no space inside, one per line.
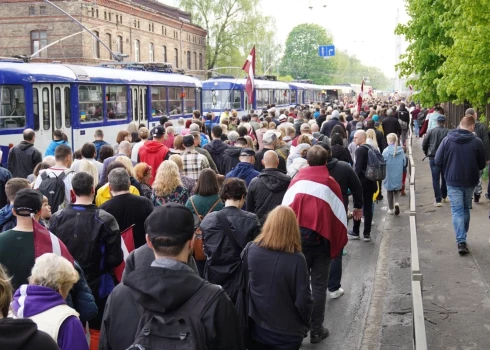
(326,50)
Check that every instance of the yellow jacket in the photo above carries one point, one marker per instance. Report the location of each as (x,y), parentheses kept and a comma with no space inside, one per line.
(103,194)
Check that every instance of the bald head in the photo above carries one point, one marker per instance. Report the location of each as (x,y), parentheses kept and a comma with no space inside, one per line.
(270,160)
(125,147)
(360,137)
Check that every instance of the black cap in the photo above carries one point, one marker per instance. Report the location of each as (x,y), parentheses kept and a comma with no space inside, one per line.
(158,131)
(188,140)
(27,202)
(247,152)
(171,220)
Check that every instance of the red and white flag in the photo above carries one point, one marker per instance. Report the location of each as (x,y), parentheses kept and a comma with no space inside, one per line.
(359,98)
(249,67)
(127,246)
(47,242)
(411,88)
(317,202)
(370,92)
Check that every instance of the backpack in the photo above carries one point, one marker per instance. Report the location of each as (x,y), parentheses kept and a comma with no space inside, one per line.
(403,124)
(376,165)
(54,188)
(405,115)
(180,329)
(198,244)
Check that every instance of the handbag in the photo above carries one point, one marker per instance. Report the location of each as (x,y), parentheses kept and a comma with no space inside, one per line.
(198,243)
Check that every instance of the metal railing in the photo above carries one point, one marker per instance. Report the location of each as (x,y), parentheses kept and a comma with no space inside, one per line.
(418,320)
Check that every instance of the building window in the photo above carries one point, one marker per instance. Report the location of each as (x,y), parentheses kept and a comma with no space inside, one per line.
(120,18)
(119,44)
(42,10)
(134,23)
(176,58)
(195,61)
(164,54)
(152,53)
(105,15)
(97,13)
(137,50)
(32,11)
(38,41)
(110,17)
(93,12)
(96,45)
(138,24)
(200,62)
(153,27)
(117,18)
(149,27)
(108,38)
(189,60)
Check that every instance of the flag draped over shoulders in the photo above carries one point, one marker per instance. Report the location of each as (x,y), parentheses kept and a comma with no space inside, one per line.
(317,202)
(47,242)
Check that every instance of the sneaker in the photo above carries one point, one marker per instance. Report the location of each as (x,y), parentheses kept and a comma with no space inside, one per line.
(397,209)
(462,248)
(476,198)
(487,196)
(352,235)
(337,294)
(390,212)
(367,238)
(446,200)
(437,204)
(318,337)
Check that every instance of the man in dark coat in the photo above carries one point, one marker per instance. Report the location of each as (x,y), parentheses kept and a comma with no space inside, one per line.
(391,125)
(270,140)
(328,126)
(267,190)
(216,148)
(24,157)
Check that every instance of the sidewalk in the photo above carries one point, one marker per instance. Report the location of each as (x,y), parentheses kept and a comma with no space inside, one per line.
(455,289)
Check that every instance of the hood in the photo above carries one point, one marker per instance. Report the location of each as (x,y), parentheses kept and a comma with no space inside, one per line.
(275,180)
(332,163)
(25,145)
(233,152)
(6,214)
(153,146)
(242,170)
(216,147)
(20,333)
(337,150)
(161,289)
(32,300)
(460,136)
(59,142)
(390,149)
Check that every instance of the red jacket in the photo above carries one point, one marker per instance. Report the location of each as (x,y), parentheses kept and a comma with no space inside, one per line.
(153,153)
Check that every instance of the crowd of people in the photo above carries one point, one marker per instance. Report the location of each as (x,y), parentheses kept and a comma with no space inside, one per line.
(223,215)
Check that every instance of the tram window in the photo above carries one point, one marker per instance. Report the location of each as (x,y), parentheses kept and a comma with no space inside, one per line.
(67,108)
(236,99)
(259,101)
(57,108)
(189,100)
(12,108)
(293,97)
(158,100)
(174,100)
(46,109)
(287,95)
(90,103)
(198,98)
(116,102)
(36,109)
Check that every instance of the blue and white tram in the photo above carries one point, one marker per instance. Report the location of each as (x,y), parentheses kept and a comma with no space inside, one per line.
(306,93)
(229,93)
(80,99)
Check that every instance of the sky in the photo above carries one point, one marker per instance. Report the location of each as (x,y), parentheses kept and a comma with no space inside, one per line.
(362,28)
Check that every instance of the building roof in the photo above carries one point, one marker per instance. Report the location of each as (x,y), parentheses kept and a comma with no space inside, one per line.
(164,9)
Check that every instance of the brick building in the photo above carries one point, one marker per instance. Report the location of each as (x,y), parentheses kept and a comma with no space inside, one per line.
(145,30)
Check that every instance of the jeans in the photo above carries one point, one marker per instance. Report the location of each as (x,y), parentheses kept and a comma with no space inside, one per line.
(438,181)
(392,199)
(478,188)
(319,266)
(367,210)
(335,274)
(416,128)
(403,137)
(460,198)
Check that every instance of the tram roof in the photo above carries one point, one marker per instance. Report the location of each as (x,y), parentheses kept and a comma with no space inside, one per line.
(11,73)
(305,86)
(228,84)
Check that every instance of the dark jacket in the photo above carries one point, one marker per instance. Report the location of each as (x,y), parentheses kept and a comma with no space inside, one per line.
(22,334)
(328,126)
(128,210)
(5,175)
(23,158)
(403,114)
(166,285)
(266,192)
(244,171)
(433,139)
(98,145)
(391,125)
(341,153)
(347,179)
(7,219)
(320,120)
(223,258)
(482,132)
(280,294)
(230,159)
(360,168)
(260,155)
(81,298)
(216,149)
(205,153)
(92,237)
(461,156)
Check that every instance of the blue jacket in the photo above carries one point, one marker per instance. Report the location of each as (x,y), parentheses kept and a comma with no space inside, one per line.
(98,145)
(394,168)
(7,219)
(461,156)
(52,146)
(244,171)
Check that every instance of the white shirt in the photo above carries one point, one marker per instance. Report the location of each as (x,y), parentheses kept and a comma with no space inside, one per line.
(135,150)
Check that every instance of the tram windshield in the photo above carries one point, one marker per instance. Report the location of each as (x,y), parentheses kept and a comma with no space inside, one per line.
(221,99)
(12,108)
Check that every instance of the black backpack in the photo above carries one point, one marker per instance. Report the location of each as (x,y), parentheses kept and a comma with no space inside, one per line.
(180,329)
(54,188)
(376,165)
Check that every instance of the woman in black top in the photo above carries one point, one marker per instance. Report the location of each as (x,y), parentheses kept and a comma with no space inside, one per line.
(339,151)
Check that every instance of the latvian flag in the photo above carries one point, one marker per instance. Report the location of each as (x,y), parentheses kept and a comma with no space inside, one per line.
(360,97)
(47,242)
(317,202)
(127,246)
(249,67)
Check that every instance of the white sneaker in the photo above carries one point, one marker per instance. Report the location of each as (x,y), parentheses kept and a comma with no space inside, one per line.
(337,294)
(390,212)
(436,204)
(397,209)
(445,200)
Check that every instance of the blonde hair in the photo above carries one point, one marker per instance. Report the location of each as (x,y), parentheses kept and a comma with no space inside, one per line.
(89,168)
(132,127)
(5,292)
(250,141)
(167,179)
(272,125)
(371,134)
(304,139)
(55,272)
(280,231)
(392,138)
(128,164)
(177,159)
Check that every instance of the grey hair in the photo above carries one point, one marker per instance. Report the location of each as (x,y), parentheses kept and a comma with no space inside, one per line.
(119,180)
(124,145)
(389,112)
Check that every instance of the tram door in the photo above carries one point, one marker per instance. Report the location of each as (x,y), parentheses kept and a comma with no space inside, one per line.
(139,105)
(52,107)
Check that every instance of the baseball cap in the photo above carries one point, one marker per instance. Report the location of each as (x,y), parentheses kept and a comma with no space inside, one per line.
(27,202)
(171,220)
(359,126)
(247,152)
(158,131)
(188,140)
(283,118)
(194,128)
(270,136)
(441,118)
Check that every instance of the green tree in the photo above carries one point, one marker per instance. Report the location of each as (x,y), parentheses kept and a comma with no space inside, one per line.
(301,59)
